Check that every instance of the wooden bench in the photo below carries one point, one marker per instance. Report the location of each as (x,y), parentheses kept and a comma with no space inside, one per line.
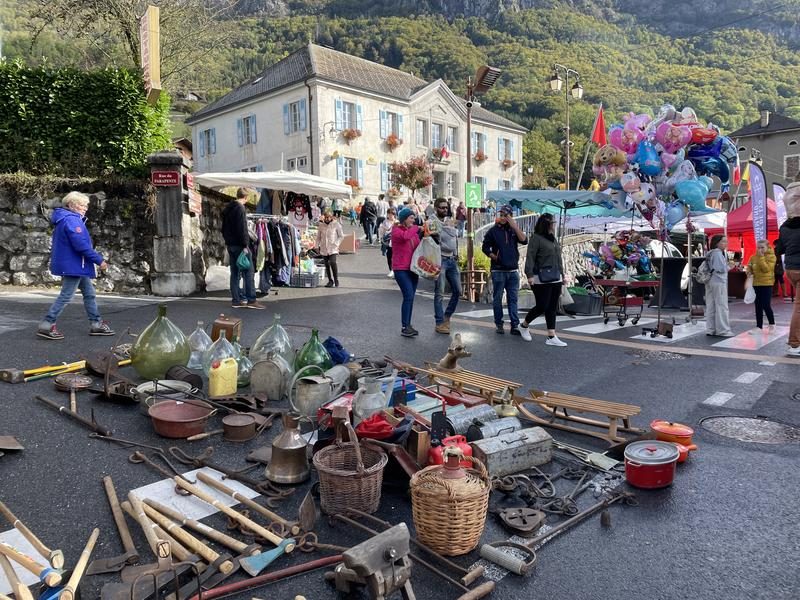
(490,388)
(560,406)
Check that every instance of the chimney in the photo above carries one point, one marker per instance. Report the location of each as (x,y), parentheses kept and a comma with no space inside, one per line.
(764,118)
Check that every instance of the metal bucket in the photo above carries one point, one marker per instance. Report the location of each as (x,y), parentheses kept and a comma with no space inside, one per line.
(460,422)
(493,428)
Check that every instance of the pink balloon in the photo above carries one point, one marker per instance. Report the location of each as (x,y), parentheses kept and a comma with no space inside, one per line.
(673,137)
(625,139)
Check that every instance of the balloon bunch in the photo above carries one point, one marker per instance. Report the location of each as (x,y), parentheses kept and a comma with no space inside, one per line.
(626,250)
(662,166)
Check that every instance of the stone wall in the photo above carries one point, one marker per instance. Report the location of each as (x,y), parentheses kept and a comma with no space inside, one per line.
(208,247)
(117,219)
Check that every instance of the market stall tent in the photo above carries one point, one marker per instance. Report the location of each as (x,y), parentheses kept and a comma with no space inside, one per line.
(740,229)
(287,181)
(575,203)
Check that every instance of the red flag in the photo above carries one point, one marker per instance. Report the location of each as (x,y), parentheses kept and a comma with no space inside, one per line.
(599,131)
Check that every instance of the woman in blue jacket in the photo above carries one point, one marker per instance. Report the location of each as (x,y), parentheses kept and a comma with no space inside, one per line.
(73,258)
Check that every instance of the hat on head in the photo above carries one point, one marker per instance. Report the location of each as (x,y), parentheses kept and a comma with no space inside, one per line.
(506,210)
(404,214)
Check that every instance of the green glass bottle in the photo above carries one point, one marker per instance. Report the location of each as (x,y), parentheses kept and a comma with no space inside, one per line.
(160,346)
(313,353)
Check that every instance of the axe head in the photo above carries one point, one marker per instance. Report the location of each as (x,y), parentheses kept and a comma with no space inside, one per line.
(258,562)
(12,375)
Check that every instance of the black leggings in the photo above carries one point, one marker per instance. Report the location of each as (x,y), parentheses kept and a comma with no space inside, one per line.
(763,304)
(331,269)
(547,295)
(389,257)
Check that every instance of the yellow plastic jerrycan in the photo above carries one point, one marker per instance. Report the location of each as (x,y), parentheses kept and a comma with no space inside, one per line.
(222,377)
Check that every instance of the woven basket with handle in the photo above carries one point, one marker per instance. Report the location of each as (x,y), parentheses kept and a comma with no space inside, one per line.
(450,514)
(350,476)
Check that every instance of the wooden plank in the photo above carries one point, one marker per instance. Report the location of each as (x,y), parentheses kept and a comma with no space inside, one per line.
(578,401)
(583,407)
(581,399)
(554,407)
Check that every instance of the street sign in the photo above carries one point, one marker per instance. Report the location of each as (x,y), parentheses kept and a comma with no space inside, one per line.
(150,52)
(472,195)
(165,178)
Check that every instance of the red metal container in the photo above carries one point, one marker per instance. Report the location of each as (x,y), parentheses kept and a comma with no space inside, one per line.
(650,464)
(436,453)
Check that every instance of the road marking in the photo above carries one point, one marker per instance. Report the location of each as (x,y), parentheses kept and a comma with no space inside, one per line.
(679,332)
(767,363)
(747,341)
(595,328)
(747,377)
(718,399)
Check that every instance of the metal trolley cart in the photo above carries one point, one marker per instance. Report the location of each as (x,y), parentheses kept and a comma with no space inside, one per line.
(619,302)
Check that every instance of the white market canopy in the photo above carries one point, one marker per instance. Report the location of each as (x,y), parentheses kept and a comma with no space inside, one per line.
(287,181)
(714,220)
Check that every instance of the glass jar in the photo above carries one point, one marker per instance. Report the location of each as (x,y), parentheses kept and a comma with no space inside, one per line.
(199,342)
(274,339)
(160,346)
(245,366)
(313,353)
(219,350)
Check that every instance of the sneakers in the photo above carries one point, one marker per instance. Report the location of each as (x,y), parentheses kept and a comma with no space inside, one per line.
(525,333)
(390,274)
(771,327)
(255,305)
(101,328)
(49,332)
(554,341)
(238,305)
(793,351)
(443,327)
(329,284)
(756,331)
(515,331)
(499,329)
(726,334)
(409,332)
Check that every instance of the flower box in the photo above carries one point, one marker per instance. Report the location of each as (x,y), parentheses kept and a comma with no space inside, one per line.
(353,183)
(351,134)
(480,156)
(393,141)
(508,163)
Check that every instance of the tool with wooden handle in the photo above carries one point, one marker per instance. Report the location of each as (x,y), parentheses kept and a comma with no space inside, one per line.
(55,557)
(159,547)
(239,518)
(19,589)
(4,597)
(178,551)
(130,556)
(68,591)
(47,575)
(202,436)
(294,528)
(205,530)
(91,424)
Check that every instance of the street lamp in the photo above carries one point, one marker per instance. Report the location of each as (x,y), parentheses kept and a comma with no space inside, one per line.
(556,84)
(485,78)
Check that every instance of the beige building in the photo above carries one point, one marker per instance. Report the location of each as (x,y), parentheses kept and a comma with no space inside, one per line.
(775,140)
(331,114)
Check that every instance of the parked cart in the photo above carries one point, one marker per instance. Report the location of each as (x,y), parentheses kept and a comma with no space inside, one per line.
(619,302)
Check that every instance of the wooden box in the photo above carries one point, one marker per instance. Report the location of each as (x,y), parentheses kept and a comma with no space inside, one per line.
(514,452)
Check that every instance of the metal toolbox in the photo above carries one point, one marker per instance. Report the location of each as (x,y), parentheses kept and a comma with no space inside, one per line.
(514,452)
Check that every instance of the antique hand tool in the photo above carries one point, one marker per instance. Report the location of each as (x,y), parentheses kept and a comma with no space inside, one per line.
(47,575)
(493,553)
(55,557)
(124,443)
(177,549)
(19,589)
(130,556)
(159,547)
(19,375)
(68,591)
(139,457)
(91,424)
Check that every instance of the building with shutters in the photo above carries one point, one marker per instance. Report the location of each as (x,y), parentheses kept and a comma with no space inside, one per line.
(775,140)
(331,114)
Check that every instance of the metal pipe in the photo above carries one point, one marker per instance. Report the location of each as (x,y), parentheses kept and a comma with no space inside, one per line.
(470,211)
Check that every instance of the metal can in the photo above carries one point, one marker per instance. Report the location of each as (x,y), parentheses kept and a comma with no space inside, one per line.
(493,428)
(460,422)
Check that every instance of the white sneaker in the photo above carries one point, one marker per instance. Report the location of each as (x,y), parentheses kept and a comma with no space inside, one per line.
(771,328)
(524,333)
(390,274)
(756,331)
(793,351)
(554,341)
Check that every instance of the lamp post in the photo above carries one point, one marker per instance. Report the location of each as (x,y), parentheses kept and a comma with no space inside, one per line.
(576,91)
(485,78)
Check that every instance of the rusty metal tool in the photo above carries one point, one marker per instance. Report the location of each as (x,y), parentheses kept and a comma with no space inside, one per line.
(124,443)
(114,564)
(469,594)
(294,528)
(54,557)
(139,457)
(47,575)
(307,513)
(90,423)
(19,589)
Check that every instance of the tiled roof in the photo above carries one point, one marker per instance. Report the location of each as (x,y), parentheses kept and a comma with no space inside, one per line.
(317,61)
(776,123)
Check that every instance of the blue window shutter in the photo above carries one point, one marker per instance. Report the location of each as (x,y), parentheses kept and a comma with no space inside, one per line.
(383,176)
(339,114)
(500,149)
(474,144)
(286,129)
(400,128)
(302,114)
(382,115)
(359,118)
(340,168)
(513,156)
(201,139)
(240,132)
(253,129)
(360,172)
(485,144)
(213,140)
(259,168)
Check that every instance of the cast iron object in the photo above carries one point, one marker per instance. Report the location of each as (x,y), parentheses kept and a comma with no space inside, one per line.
(139,457)
(524,521)
(307,513)
(400,454)
(177,419)
(12,375)
(101,363)
(67,382)
(114,564)
(152,586)
(124,443)
(91,424)
(181,373)
(9,442)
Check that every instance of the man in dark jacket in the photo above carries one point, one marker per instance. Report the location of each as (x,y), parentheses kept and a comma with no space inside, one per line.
(369,217)
(73,258)
(788,245)
(237,240)
(500,244)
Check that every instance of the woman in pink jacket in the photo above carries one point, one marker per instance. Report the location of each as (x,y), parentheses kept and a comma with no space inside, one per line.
(405,239)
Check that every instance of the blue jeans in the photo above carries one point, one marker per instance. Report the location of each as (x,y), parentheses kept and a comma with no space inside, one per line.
(236,274)
(69,285)
(451,274)
(508,281)
(407,281)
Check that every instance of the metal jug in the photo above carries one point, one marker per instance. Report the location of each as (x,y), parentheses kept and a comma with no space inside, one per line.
(307,393)
(369,399)
(271,376)
(289,462)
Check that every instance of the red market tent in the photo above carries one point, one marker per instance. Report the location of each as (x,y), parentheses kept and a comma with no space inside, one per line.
(740,229)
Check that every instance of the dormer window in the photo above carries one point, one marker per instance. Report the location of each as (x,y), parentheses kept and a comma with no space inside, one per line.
(793,142)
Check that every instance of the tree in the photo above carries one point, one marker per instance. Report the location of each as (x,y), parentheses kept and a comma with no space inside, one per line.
(414,174)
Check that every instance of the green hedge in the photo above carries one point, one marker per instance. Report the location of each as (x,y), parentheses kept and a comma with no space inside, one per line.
(73,123)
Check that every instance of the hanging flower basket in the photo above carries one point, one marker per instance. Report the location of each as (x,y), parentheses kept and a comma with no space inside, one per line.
(480,156)
(353,183)
(508,163)
(392,142)
(350,134)
(394,192)
(440,154)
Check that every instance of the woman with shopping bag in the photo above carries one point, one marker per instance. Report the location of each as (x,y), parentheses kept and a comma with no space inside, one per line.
(761,269)
(405,239)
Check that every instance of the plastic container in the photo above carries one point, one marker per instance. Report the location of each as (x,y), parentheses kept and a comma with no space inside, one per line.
(313,353)
(160,346)
(222,378)
(219,350)
(199,342)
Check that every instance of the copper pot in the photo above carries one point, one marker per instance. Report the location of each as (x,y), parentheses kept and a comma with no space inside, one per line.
(176,419)
(238,427)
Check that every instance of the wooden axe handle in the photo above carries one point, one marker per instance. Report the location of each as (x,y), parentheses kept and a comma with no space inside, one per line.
(202,436)
(251,525)
(177,549)
(211,482)
(19,589)
(68,593)
(119,518)
(49,576)
(30,536)
(156,545)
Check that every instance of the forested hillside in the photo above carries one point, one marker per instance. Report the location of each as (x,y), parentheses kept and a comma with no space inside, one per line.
(726,59)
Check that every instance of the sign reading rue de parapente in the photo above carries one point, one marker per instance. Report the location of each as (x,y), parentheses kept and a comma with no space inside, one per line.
(165,178)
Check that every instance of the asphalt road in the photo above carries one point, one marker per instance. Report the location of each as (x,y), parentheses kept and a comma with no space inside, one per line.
(727,528)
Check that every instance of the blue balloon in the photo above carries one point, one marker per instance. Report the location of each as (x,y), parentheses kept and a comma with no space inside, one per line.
(714,166)
(647,158)
(728,151)
(702,151)
(693,193)
(674,214)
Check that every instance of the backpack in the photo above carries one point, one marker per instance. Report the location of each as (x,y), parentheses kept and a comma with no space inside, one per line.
(704,273)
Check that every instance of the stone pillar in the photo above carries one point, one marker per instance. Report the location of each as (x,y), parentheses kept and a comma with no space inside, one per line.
(172,253)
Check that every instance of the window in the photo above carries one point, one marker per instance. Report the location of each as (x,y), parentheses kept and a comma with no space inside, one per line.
(505,149)
(255,169)
(505,184)
(391,124)
(436,135)
(791,166)
(246,130)
(792,142)
(480,142)
(348,115)
(291,164)
(294,117)
(349,168)
(302,162)
(482,181)
(452,139)
(741,149)
(422,132)
(208,142)
(385,177)
(452,184)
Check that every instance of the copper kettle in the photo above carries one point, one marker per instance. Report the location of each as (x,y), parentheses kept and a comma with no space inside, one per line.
(289,462)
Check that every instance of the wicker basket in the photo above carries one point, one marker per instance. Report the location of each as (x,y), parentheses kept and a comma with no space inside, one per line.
(350,476)
(450,514)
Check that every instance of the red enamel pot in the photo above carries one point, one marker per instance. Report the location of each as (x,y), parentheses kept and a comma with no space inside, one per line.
(650,464)
(667,431)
